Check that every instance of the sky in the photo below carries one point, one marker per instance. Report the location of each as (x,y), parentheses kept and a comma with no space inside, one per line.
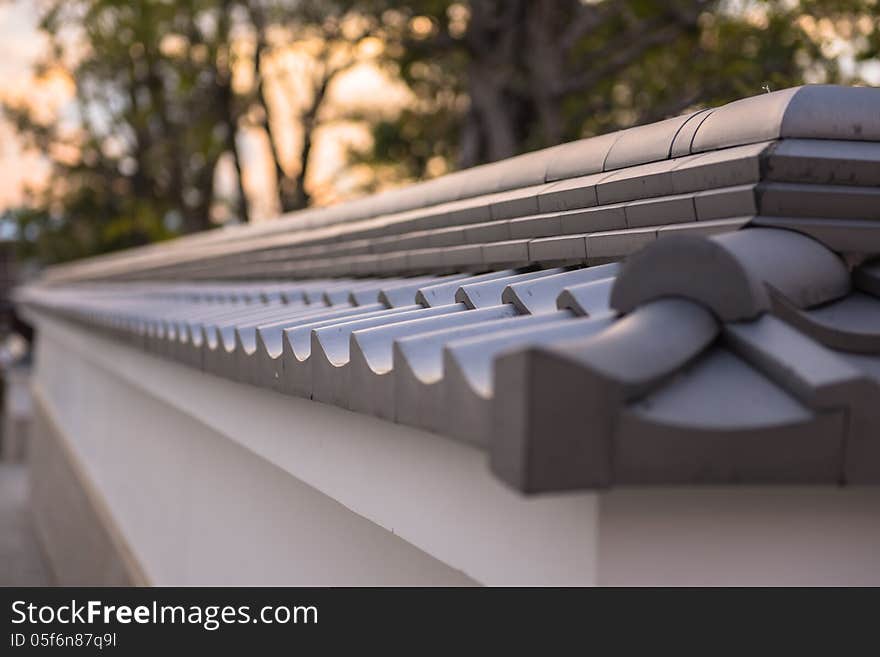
(20,45)
(364,87)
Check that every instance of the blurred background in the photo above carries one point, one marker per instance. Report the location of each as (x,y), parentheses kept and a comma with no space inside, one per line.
(130,121)
(124,122)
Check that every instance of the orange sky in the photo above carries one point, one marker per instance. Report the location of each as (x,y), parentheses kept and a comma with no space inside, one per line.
(364,86)
(19,46)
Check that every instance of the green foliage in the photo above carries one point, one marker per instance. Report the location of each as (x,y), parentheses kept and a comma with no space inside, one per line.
(156,108)
(524,74)
(153,114)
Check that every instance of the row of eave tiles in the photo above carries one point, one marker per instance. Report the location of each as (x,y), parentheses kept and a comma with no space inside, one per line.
(729,402)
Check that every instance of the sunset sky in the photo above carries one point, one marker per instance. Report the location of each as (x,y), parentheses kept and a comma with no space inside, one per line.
(364,87)
(20,44)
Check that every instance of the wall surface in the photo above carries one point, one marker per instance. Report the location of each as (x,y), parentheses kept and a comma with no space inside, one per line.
(80,539)
(17,412)
(213,482)
(740,536)
(198,480)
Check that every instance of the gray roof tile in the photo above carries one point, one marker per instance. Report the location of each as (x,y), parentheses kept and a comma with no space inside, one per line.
(731,273)
(739,201)
(841,235)
(695,430)
(616,244)
(704,228)
(403,292)
(569,194)
(743,346)
(576,385)
(491,231)
(330,350)
(419,369)
(438,294)
(684,138)
(587,299)
(564,248)
(538,295)
(801,200)
(851,323)
(467,387)
(372,355)
(656,212)
(510,252)
(579,158)
(296,356)
(488,292)
(515,202)
(812,111)
(539,226)
(646,143)
(824,162)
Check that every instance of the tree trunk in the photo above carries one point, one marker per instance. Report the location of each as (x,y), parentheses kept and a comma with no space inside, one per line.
(229,115)
(494,39)
(495,114)
(470,142)
(243,205)
(198,217)
(545,65)
(300,198)
(282,182)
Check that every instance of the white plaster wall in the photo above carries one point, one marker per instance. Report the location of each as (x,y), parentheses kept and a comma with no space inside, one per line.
(740,536)
(212,482)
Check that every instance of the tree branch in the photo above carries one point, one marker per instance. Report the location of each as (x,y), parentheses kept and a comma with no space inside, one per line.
(616,56)
(588,18)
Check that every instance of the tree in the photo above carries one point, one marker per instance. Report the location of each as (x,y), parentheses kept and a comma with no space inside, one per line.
(162,95)
(325,38)
(506,76)
(167,92)
(154,113)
